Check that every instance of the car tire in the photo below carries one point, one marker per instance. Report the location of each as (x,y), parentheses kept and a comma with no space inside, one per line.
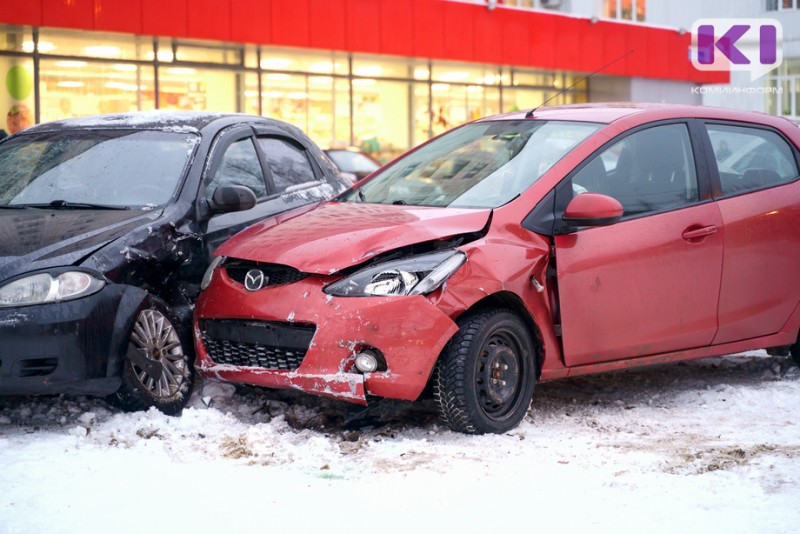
(794,351)
(159,369)
(484,379)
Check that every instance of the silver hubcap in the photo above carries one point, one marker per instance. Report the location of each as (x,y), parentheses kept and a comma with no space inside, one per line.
(154,335)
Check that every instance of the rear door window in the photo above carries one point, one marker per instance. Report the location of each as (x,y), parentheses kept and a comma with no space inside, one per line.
(750,158)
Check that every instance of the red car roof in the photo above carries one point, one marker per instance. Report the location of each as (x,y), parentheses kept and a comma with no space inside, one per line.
(641,113)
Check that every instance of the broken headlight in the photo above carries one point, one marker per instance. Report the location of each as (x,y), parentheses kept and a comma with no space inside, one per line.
(44,288)
(417,275)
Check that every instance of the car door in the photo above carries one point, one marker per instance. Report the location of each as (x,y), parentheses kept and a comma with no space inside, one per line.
(756,171)
(648,284)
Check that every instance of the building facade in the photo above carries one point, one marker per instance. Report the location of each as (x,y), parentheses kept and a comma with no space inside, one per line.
(383,74)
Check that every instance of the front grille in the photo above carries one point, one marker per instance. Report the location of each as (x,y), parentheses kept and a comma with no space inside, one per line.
(263,344)
(273,274)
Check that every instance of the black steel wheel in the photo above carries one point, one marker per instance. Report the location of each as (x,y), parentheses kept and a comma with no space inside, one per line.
(484,379)
(159,368)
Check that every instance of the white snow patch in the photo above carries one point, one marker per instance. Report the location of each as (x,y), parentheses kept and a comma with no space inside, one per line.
(706,446)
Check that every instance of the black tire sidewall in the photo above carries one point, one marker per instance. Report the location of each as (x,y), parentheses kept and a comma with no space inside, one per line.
(464,353)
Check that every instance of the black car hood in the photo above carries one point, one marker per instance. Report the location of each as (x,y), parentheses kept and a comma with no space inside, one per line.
(32,239)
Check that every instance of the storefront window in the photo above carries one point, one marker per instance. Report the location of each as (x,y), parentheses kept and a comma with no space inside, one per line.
(464,73)
(193,51)
(381,117)
(421,116)
(383,104)
(96,45)
(73,88)
(385,67)
(522,99)
(250,94)
(166,51)
(289,60)
(251,56)
(285,97)
(318,104)
(192,88)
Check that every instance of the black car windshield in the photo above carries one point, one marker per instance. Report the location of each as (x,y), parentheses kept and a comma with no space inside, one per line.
(112,168)
(480,165)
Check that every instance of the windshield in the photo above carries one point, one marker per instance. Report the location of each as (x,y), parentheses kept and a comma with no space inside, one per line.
(480,165)
(116,168)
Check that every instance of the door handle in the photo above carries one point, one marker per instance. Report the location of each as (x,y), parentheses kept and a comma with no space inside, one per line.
(694,233)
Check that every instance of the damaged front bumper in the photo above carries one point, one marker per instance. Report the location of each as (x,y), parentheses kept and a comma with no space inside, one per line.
(296,336)
(74,346)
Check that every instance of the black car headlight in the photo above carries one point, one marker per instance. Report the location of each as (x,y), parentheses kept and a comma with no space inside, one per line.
(44,288)
(416,275)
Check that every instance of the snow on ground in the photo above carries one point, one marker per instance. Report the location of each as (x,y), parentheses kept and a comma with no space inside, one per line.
(706,446)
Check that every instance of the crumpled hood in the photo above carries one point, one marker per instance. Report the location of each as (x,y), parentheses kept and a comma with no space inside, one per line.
(33,239)
(339,235)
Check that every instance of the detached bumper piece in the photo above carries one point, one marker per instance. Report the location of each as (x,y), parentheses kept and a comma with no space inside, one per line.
(264,344)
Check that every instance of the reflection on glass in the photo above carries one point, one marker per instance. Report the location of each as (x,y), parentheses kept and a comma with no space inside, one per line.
(480,165)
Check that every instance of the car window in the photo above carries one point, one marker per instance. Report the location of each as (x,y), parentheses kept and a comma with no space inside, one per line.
(288,163)
(124,168)
(239,166)
(479,165)
(750,158)
(649,171)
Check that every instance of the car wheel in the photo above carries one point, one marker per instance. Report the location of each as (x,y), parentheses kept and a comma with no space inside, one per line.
(483,381)
(794,350)
(158,370)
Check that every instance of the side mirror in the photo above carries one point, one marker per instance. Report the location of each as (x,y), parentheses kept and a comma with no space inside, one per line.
(592,209)
(228,198)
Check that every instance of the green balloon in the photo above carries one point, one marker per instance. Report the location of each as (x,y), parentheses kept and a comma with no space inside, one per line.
(19,82)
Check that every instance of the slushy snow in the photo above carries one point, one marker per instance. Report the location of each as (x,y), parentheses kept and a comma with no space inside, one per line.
(706,446)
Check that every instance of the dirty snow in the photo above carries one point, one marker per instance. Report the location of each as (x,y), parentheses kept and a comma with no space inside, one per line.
(707,446)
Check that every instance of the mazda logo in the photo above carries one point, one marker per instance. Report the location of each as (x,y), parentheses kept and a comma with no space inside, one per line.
(254,280)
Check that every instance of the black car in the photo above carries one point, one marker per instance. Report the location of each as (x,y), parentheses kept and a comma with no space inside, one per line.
(107,225)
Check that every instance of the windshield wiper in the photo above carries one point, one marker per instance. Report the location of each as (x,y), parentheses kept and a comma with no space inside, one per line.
(12,206)
(67,205)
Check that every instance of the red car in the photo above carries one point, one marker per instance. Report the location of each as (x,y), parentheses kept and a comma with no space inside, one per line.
(522,247)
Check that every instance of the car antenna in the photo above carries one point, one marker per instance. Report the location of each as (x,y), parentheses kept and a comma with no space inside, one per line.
(529,114)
